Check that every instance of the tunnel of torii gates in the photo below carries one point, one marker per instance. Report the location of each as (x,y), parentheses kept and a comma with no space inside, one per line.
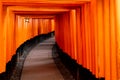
(86,30)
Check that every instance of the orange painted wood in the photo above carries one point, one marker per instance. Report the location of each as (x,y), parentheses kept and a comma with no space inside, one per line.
(94,17)
(45,2)
(49,25)
(35,27)
(68,33)
(63,32)
(83,37)
(66,30)
(117,2)
(52,24)
(56,29)
(101,47)
(90,38)
(59,29)
(44,26)
(79,36)
(2,42)
(113,45)
(107,38)
(36,16)
(107,12)
(29,29)
(87,35)
(45,29)
(41,10)
(89,44)
(9,35)
(25,29)
(93,23)
(63,29)
(39,27)
(73,33)
(18,29)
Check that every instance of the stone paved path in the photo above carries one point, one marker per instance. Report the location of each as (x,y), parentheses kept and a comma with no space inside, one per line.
(39,64)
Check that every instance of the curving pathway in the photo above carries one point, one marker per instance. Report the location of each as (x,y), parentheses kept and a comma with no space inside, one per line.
(39,64)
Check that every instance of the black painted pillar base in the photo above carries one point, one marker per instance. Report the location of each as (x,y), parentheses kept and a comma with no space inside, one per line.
(77,70)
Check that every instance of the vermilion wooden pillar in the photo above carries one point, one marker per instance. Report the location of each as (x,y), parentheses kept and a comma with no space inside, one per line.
(106,25)
(18,30)
(118,35)
(100,35)
(79,36)
(35,26)
(113,40)
(105,38)
(39,27)
(73,34)
(87,35)
(2,42)
(9,24)
(95,34)
(67,32)
(52,24)
(61,31)
(92,29)
(83,36)
(56,29)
